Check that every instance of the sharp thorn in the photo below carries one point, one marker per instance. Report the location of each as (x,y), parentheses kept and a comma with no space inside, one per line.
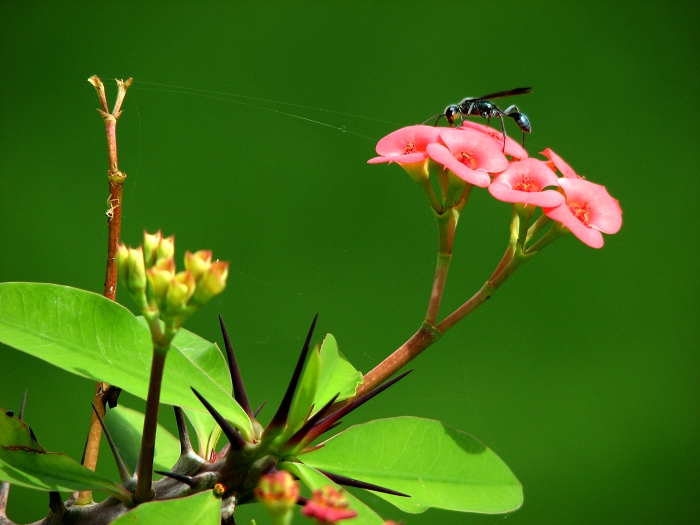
(280,418)
(185,443)
(187,480)
(351,482)
(239,393)
(228,429)
(299,435)
(255,414)
(124,474)
(325,424)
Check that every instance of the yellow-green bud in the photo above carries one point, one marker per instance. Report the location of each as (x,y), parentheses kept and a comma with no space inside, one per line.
(278,492)
(211,283)
(150,246)
(198,262)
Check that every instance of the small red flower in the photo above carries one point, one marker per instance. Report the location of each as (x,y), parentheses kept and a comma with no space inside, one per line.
(469,154)
(328,505)
(589,210)
(525,181)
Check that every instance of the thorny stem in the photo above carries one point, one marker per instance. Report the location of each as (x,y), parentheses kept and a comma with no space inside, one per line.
(114,219)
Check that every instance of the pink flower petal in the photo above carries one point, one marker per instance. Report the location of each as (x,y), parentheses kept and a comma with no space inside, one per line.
(513,148)
(475,150)
(405,145)
(442,155)
(589,210)
(525,182)
(559,163)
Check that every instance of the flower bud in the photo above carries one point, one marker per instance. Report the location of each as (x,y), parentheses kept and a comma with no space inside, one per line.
(198,262)
(278,493)
(159,277)
(211,283)
(166,248)
(180,290)
(150,246)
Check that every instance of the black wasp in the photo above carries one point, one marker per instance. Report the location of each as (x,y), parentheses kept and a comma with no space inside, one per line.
(484,108)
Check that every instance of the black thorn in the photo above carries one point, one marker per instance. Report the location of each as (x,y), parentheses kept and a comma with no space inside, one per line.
(228,429)
(187,480)
(56,505)
(280,418)
(327,421)
(185,443)
(255,414)
(239,393)
(121,466)
(310,423)
(351,482)
(24,403)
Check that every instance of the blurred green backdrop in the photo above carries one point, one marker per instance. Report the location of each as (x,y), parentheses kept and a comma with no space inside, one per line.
(582,372)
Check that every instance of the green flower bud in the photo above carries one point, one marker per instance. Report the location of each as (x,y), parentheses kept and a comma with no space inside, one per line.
(150,246)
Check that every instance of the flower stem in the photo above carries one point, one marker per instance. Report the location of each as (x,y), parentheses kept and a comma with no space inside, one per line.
(144,473)
(422,339)
(114,220)
(446,223)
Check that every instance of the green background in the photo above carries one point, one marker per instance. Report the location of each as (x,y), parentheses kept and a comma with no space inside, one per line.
(581,373)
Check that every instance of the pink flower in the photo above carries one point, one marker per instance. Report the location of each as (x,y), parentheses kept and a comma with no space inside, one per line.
(525,181)
(328,505)
(469,154)
(513,148)
(559,164)
(589,209)
(407,147)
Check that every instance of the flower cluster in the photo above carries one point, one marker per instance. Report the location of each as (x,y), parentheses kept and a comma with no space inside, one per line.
(477,155)
(160,292)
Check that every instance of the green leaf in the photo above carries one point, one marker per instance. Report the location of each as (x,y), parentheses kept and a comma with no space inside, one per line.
(125,425)
(209,358)
(200,509)
(337,374)
(23,461)
(437,465)
(313,479)
(93,337)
